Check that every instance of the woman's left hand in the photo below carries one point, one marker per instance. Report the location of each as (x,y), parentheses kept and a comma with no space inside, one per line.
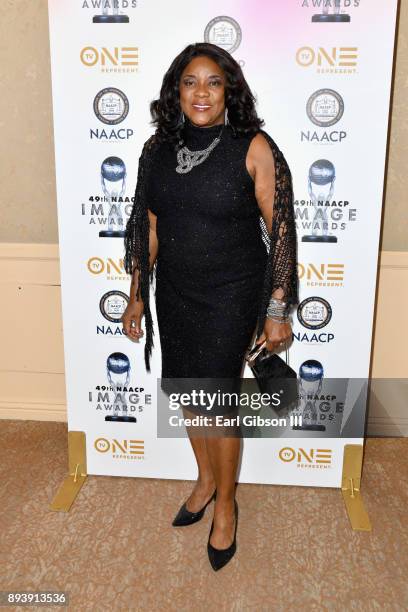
(276,334)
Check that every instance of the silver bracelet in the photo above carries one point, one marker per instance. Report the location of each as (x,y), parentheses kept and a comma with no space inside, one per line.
(276,312)
(277,308)
(275,303)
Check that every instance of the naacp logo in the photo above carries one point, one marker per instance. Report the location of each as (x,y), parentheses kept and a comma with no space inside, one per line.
(325,107)
(224,32)
(314,313)
(112,305)
(111,106)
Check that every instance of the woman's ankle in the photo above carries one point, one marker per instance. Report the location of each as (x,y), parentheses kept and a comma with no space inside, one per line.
(206,482)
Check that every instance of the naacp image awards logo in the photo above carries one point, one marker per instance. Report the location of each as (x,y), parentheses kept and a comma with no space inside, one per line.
(224,32)
(325,107)
(111,105)
(314,312)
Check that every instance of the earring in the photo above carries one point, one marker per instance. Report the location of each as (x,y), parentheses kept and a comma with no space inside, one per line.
(227,121)
(182,118)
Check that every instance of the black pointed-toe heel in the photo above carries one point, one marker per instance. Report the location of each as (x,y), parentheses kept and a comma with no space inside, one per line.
(185,517)
(220,556)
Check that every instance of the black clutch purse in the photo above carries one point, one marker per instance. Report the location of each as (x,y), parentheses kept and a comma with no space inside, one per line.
(273,375)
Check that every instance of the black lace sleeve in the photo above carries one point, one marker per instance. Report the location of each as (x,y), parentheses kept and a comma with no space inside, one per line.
(136,245)
(281,268)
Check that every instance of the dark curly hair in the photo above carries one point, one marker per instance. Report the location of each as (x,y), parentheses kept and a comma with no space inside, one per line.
(239,100)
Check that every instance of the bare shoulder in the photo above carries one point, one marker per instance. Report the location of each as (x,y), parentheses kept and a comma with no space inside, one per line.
(259,144)
(259,155)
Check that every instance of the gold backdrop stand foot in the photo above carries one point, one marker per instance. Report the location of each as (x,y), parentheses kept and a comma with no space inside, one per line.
(350,487)
(77,472)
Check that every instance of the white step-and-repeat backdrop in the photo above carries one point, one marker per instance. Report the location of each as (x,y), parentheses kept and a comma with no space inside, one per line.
(321,72)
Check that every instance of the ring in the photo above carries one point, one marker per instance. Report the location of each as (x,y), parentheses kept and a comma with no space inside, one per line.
(132,323)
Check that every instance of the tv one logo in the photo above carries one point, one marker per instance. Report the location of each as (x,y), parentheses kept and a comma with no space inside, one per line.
(312,457)
(111,60)
(321,274)
(340,60)
(124,447)
(97,265)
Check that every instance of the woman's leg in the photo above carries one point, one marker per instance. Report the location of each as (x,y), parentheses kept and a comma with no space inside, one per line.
(223,454)
(217,455)
(205,485)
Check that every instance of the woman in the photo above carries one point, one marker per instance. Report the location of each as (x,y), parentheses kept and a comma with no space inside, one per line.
(213,219)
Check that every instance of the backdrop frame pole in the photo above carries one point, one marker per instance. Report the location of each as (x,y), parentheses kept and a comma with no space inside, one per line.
(77,476)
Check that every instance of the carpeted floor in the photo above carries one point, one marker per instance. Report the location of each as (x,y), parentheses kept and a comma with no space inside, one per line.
(117,551)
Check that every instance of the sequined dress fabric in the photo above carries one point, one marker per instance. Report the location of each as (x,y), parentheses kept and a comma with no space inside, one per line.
(211,259)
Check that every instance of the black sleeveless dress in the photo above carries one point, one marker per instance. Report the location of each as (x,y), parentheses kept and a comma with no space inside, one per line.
(211,259)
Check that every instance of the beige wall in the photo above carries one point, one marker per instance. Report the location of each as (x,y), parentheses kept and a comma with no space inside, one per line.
(28,207)
(395,219)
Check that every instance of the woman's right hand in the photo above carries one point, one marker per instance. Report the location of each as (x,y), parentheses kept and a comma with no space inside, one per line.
(134,312)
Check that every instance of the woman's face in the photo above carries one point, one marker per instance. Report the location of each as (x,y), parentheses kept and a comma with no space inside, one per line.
(202,92)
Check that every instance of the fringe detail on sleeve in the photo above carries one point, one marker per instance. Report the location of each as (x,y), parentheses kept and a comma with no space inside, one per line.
(136,244)
(281,267)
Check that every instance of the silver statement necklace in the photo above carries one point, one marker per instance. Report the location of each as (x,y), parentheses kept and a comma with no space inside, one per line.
(188,159)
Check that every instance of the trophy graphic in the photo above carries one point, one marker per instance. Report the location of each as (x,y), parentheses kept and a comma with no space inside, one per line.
(336,17)
(113,181)
(118,370)
(113,17)
(310,384)
(321,178)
